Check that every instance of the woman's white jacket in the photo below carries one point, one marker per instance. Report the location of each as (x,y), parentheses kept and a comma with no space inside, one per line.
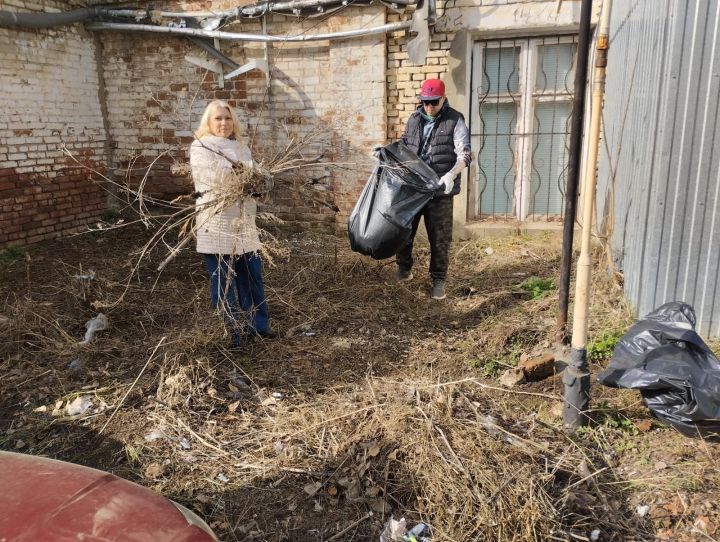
(231,230)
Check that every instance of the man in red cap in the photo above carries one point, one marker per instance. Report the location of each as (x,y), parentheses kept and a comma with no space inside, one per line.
(437,133)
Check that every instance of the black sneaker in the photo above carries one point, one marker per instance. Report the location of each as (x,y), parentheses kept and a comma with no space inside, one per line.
(403,275)
(438,289)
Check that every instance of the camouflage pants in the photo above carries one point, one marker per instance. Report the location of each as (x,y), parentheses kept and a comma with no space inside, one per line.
(438,215)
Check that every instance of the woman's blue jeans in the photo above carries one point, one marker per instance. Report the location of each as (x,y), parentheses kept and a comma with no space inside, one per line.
(236,289)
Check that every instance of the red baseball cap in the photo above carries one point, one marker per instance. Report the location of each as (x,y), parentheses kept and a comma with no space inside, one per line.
(432,89)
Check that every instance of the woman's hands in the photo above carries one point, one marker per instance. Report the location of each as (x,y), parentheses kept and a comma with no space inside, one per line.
(265,182)
(259,180)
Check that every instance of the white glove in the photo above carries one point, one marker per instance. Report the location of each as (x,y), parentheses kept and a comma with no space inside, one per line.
(448,182)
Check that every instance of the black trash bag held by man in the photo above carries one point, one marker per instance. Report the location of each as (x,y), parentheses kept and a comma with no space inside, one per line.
(676,372)
(398,188)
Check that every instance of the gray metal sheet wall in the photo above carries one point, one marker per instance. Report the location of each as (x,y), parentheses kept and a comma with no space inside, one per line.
(660,159)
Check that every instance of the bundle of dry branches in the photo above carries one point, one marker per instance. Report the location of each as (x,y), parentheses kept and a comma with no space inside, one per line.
(243,182)
(175,222)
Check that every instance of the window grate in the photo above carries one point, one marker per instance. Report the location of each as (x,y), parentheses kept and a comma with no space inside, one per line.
(522,98)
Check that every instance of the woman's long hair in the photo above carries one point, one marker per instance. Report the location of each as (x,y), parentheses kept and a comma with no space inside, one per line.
(204,126)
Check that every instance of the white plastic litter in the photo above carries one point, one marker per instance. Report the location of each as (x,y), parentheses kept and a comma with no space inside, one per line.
(642,510)
(90,275)
(80,405)
(155,434)
(394,531)
(94,325)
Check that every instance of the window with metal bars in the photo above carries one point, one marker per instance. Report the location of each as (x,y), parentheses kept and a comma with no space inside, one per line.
(522,96)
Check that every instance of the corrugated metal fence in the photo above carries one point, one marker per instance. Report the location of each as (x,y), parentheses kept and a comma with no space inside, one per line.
(660,158)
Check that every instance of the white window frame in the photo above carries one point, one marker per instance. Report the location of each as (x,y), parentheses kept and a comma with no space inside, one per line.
(527,74)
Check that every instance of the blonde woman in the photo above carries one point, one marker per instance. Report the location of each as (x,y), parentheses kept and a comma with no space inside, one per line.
(228,238)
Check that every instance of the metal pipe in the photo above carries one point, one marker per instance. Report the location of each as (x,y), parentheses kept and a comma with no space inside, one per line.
(231,36)
(212,51)
(142,13)
(292,5)
(432,10)
(10,19)
(255,10)
(578,117)
(403,2)
(577,375)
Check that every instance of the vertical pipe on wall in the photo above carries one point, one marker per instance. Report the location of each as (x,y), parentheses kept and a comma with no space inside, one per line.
(577,375)
(266,53)
(578,116)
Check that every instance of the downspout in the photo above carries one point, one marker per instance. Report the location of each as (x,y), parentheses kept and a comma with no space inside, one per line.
(112,199)
(10,19)
(231,36)
(266,55)
(432,12)
(577,375)
(576,128)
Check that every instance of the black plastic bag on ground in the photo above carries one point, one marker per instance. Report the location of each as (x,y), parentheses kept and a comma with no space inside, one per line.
(675,371)
(397,190)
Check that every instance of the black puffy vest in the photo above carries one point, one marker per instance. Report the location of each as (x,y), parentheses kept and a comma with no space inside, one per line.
(442,145)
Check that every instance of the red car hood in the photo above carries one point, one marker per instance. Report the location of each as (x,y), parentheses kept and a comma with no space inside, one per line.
(54,501)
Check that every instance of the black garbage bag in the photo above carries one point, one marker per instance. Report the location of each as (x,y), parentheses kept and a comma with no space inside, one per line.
(397,190)
(677,374)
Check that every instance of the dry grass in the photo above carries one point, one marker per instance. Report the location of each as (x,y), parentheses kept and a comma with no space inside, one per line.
(376,400)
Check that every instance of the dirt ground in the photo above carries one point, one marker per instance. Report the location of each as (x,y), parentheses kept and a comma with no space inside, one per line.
(375,400)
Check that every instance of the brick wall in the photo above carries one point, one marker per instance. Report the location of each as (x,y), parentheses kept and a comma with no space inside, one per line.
(335,89)
(49,88)
(404,79)
(58,93)
(59,84)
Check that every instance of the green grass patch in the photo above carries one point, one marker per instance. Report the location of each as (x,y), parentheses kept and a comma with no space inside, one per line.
(494,365)
(538,287)
(11,256)
(601,347)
